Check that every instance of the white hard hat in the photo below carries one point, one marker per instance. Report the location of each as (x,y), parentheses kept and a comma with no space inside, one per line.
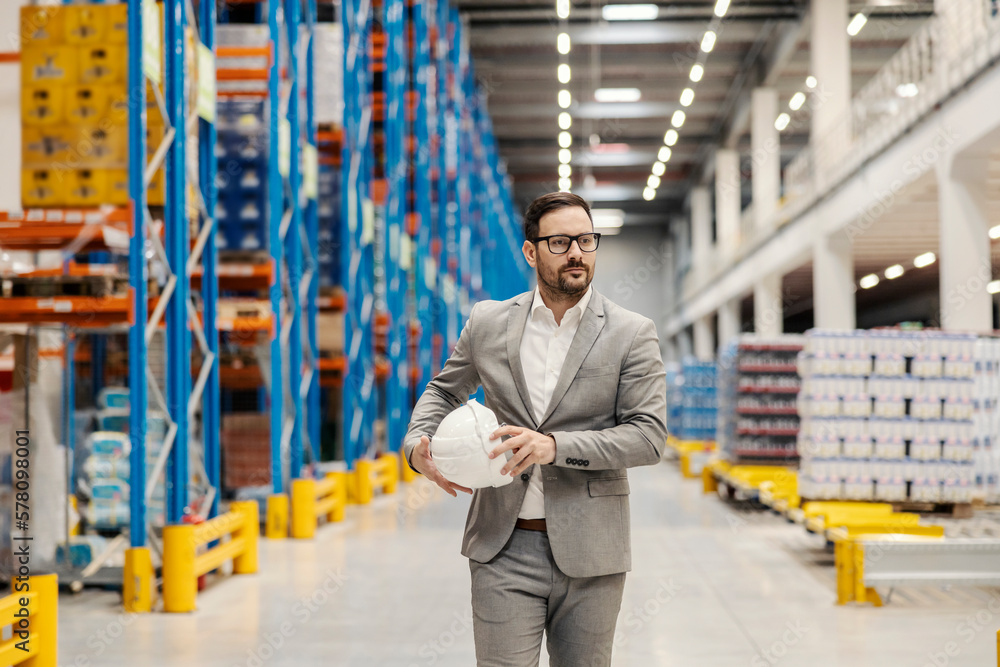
(460,448)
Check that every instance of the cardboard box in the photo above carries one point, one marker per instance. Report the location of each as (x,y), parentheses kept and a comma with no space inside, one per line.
(330,333)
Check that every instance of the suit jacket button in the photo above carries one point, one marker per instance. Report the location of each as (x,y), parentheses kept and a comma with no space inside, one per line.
(567,461)
(586,463)
(525,476)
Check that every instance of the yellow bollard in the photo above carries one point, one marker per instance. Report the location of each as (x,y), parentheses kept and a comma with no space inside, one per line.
(303,523)
(43,624)
(277,517)
(390,472)
(180,583)
(708,482)
(406,473)
(340,491)
(249,532)
(138,591)
(363,491)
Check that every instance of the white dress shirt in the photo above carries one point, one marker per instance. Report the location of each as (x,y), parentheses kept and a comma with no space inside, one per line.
(544,346)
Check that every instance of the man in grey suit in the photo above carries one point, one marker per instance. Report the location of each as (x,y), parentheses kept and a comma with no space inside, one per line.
(580,383)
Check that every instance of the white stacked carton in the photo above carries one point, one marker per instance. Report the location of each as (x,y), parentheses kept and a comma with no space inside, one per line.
(898,415)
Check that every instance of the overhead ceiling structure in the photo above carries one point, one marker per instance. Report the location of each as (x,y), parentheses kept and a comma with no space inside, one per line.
(614,145)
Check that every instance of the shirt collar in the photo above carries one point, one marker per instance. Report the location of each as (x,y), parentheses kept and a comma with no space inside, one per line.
(580,307)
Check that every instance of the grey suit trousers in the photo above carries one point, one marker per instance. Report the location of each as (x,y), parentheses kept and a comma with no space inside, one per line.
(521,592)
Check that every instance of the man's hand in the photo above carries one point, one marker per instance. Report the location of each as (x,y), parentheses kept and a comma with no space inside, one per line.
(529,447)
(422,461)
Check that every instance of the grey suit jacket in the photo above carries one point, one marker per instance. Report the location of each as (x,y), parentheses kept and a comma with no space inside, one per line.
(607,413)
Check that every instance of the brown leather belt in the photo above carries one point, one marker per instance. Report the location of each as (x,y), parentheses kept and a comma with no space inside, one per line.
(530,524)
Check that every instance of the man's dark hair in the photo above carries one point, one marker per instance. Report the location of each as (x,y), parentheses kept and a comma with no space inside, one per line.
(545,204)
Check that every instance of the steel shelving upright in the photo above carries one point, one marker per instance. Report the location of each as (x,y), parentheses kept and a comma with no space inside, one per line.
(396,234)
(293,230)
(310,166)
(424,147)
(211,418)
(359,408)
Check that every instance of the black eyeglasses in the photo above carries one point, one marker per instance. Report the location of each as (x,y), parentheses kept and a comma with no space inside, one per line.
(559,243)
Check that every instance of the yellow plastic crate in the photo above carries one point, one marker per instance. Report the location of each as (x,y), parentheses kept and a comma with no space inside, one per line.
(42,187)
(118,187)
(104,64)
(42,146)
(103,145)
(43,105)
(89,104)
(41,25)
(117,23)
(85,24)
(86,187)
(49,64)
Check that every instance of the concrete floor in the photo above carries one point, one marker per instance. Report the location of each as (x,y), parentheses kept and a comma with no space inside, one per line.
(711,585)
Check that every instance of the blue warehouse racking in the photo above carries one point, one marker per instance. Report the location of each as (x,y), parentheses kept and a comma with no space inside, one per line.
(267,220)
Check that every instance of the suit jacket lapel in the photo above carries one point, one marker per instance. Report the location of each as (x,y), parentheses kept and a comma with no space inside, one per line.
(586,334)
(517,317)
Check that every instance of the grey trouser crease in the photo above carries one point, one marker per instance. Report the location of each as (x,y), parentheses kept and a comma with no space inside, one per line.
(521,593)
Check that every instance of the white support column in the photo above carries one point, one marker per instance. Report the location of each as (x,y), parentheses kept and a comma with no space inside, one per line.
(701,226)
(684,347)
(729,322)
(669,350)
(766,157)
(704,343)
(727,201)
(833,283)
(830,62)
(768,307)
(965,259)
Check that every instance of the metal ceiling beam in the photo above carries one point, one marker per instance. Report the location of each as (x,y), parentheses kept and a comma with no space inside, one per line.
(643,32)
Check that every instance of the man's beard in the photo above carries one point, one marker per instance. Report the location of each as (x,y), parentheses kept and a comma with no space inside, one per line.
(561,287)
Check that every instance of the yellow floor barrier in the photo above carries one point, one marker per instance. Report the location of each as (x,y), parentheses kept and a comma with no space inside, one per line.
(31,611)
(748,478)
(710,475)
(313,498)
(182,564)
(818,507)
(781,495)
(692,452)
(851,516)
(849,558)
(382,473)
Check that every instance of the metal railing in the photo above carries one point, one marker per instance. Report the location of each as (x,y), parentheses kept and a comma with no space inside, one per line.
(950,49)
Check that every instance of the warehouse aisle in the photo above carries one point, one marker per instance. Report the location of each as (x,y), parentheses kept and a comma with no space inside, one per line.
(710,586)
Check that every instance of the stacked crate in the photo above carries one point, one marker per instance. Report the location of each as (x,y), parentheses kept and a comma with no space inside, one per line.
(891,415)
(693,402)
(246,450)
(75,107)
(328,206)
(758,419)
(242,204)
